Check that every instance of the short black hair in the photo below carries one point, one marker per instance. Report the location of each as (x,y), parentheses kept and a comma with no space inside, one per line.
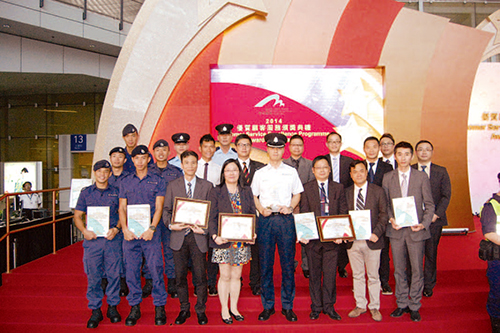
(188,153)
(32,184)
(24,170)
(356,162)
(207,138)
(332,133)
(319,158)
(403,144)
(424,141)
(224,165)
(296,136)
(241,137)
(389,136)
(371,138)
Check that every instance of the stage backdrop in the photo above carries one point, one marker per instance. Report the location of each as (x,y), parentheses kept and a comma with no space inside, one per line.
(161,81)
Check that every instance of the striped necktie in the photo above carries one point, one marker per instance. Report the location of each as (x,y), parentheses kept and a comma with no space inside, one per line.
(360,201)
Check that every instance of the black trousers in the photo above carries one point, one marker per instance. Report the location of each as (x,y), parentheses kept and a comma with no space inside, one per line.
(189,250)
(385,267)
(431,247)
(255,266)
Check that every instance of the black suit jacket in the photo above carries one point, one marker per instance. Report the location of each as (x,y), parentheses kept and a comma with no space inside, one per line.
(220,203)
(310,202)
(382,169)
(254,166)
(344,172)
(382,159)
(376,202)
(441,192)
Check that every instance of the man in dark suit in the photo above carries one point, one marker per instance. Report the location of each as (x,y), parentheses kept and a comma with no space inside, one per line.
(366,252)
(304,168)
(323,197)
(244,147)
(387,149)
(408,242)
(339,165)
(188,242)
(376,171)
(441,193)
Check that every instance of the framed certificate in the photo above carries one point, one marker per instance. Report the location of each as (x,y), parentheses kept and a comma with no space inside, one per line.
(98,220)
(335,227)
(237,227)
(405,211)
(191,211)
(361,221)
(305,226)
(76,188)
(139,218)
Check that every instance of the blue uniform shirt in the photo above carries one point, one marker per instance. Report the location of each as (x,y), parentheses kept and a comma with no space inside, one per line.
(116,180)
(169,173)
(129,165)
(92,196)
(219,157)
(175,161)
(143,191)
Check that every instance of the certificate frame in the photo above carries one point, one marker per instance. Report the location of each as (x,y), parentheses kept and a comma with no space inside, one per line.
(230,220)
(328,224)
(305,226)
(361,222)
(191,212)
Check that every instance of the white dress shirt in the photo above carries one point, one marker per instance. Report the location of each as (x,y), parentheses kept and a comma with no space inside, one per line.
(213,174)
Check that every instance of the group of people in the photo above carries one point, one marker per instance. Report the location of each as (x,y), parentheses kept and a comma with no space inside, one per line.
(331,184)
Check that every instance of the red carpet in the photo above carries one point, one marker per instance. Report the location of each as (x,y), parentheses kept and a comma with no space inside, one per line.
(48,295)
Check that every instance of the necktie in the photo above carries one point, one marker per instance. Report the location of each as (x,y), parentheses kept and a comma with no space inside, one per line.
(245,172)
(404,186)
(323,201)
(423,169)
(335,169)
(189,192)
(371,174)
(205,173)
(387,161)
(295,164)
(360,201)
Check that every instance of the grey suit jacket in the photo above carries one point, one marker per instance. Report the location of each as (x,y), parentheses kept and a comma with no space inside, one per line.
(420,188)
(441,191)
(304,170)
(376,202)
(176,188)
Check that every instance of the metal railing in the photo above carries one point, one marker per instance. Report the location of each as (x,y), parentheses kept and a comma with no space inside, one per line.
(8,233)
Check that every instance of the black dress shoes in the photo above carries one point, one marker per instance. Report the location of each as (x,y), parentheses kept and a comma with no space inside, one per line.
(172,288)
(181,318)
(314,315)
(289,314)
(343,273)
(123,287)
(306,273)
(95,318)
(256,290)
(212,291)
(202,318)
(266,314)
(147,289)
(399,312)
(428,293)
(333,314)
(415,316)
(133,316)
(236,317)
(160,316)
(113,315)
(228,321)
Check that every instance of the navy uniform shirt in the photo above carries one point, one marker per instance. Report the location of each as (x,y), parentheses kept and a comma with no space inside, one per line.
(91,196)
(116,180)
(169,173)
(143,191)
(129,165)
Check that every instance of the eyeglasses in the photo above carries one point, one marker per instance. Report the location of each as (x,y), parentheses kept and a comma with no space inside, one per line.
(422,149)
(387,144)
(244,145)
(336,142)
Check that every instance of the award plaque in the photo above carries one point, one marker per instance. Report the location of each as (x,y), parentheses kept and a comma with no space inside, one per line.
(237,227)
(191,211)
(335,227)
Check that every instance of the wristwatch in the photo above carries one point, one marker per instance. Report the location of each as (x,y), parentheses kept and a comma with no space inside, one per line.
(119,229)
(152,227)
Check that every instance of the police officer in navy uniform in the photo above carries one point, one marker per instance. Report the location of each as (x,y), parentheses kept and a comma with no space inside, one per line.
(131,137)
(143,187)
(101,254)
(224,151)
(276,188)
(169,172)
(181,144)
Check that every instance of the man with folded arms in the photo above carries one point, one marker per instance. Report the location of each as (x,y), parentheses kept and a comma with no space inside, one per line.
(139,188)
(324,197)
(366,196)
(276,189)
(408,243)
(101,254)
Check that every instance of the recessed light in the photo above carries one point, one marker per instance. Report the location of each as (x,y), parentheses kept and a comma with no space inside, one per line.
(92,45)
(6,25)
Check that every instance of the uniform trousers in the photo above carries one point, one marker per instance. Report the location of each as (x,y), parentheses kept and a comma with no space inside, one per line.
(493,274)
(133,252)
(277,230)
(360,255)
(322,262)
(102,256)
(189,250)
(168,255)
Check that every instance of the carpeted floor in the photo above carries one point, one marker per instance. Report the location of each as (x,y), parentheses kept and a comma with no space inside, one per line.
(48,295)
